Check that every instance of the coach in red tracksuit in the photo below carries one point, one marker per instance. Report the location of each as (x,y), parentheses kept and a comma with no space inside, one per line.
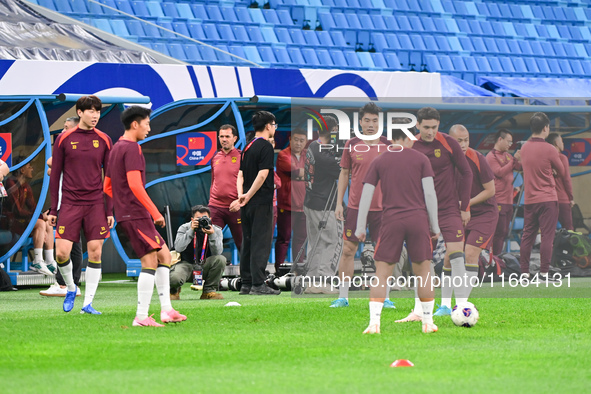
(503,165)
(290,197)
(538,159)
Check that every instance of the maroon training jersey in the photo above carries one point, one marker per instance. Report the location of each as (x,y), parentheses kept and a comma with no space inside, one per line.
(357,158)
(400,174)
(290,196)
(564,186)
(503,165)
(446,156)
(538,159)
(481,174)
(224,172)
(81,155)
(126,156)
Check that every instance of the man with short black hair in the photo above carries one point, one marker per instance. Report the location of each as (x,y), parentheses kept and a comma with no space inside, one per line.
(320,174)
(82,155)
(290,197)
(539,160)
(453,199)
(357,158)
(564,186)
(224,171)
(137,216)
(255,198)
(503,165)
(190,244)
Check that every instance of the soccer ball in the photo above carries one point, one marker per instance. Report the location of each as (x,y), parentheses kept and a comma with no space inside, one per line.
(464,314)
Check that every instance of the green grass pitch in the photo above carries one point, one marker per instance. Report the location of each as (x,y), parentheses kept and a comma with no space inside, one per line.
(294,345)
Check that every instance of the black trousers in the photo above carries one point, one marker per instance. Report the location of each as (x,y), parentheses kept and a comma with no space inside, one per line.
(76,258)
(257,236)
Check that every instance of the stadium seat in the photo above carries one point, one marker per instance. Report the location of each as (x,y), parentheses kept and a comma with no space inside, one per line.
(543,66)
(155,9)
(379,60)
(297,37)
(184,11)
(365,60)
(255,35)
(170,10)
(243,15)
(284,18)
(225,32)
(269,34)
(283,35)
(339,59)
(310,37)
(565,67)
(324,38)
(338,39)
(192,53)
(296,56)
(554,67)
(483,64)
(160,47)
(140,9)
(393,61)
(532,65)
(213,12)
(196,30)
(432,64)
(267,55)
(199,11)
(228,14)
(119,28)
(271,16)
(282,55)
(310,57)
(211,32)
(256,14)
(167,33)
(240,33)
(519,65)
(103,24)
(458,63)
(79,7)
(379,41)
(135,28)
(176,51)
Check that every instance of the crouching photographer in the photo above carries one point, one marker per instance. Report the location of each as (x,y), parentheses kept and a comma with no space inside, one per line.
(199,243)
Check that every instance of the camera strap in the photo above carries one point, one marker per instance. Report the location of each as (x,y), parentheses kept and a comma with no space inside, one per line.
(202,248)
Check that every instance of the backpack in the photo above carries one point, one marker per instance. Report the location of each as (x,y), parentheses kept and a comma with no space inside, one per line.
(5,283)
(571,252)
(512,265)
(491,267)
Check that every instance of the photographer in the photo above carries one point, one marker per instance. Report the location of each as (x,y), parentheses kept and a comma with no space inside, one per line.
(320,175)
(189,243)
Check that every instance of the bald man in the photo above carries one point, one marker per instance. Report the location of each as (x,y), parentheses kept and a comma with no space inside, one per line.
(484,215)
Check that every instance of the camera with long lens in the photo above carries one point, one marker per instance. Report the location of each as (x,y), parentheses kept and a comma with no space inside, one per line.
(204,223)
(284,282)
(232,284)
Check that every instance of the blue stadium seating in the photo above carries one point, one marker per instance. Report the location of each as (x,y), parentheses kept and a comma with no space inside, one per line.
(465,38)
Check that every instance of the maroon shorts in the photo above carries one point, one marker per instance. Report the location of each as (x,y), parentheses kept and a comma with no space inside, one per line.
(481,229)
(143,236)
(451,226)
(91,218)
(412,229)
(374,222)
